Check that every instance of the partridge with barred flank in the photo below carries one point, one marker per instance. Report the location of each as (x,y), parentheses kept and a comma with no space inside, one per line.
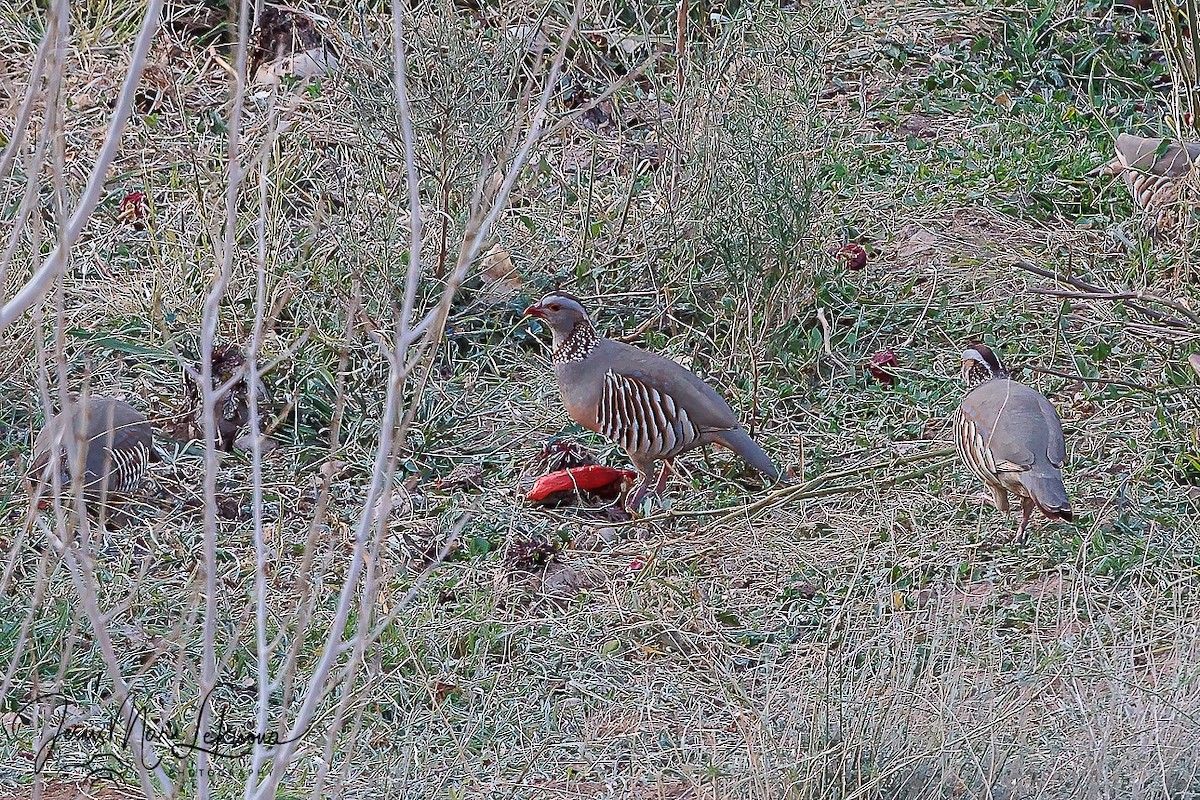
(1153,170)
(649,405)
(1010,436)
(115,443)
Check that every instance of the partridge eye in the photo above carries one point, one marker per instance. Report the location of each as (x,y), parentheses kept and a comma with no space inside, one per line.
(555,307)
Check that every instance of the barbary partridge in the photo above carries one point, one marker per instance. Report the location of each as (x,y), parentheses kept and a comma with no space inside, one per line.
(288,42)
(115,442)
(233,407)
(1153,170)
(647,404)
(1010,436)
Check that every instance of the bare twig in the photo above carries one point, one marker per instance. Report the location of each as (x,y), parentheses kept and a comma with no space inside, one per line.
(210,319)
(816,487)
(912,334)
(1103,381)
(826,337)
(40,283)
(1134,299)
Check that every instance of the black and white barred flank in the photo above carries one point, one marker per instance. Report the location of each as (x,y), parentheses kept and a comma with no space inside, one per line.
(644,421)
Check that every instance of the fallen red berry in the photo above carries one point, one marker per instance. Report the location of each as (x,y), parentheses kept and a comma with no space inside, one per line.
(855,256)
(879,367)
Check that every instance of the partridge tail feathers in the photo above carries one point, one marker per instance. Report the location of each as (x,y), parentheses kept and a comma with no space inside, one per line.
(740,442)
(1048,492)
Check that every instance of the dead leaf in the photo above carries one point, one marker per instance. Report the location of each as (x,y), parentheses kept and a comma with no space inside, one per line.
(531,37)
(443,688)
(463,476)
(501,280)
(916,244)
(403,503)
(881,367)
(332,469)
(246,443)
(425,543)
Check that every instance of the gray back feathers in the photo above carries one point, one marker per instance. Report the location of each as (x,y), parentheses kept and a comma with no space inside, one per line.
(1020,426)
(115,440)
(1011,438)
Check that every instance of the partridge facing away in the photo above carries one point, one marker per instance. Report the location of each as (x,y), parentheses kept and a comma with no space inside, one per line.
(288,43)
(647,404)
(1153,170)
(115,443)
(233,407)
(1010,436)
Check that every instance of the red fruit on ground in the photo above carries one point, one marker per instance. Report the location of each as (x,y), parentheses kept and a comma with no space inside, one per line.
(588,478)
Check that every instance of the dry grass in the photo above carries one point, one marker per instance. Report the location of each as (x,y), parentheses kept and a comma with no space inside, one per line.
(882,641)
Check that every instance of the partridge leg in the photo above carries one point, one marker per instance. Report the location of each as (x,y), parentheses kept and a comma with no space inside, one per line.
(1027,506)
(635,500)
(663,473)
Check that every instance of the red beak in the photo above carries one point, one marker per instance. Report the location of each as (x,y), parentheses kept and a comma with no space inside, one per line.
(534,310)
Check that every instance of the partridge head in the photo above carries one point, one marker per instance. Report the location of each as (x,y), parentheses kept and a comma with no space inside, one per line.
(647,404)
(1011,438)
(111,439)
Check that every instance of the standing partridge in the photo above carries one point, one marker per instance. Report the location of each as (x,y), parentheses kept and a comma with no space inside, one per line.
(1153,170)
(233,407)
(1010,436)
(647,404)
(115,443)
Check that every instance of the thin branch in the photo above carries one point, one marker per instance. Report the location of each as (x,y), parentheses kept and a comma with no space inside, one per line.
(254,377)
(1100,292)
(413,277)
(210,317)
(381,476)
(816,487)
(912,334)
(1103,381)
(39,284)
(1143,296)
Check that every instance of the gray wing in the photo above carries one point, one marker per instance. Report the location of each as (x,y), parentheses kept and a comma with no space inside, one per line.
(1007,421)
(1056,446)
(1156,156)
(707,409)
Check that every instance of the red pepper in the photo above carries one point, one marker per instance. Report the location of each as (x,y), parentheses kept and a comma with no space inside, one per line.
(589,478)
